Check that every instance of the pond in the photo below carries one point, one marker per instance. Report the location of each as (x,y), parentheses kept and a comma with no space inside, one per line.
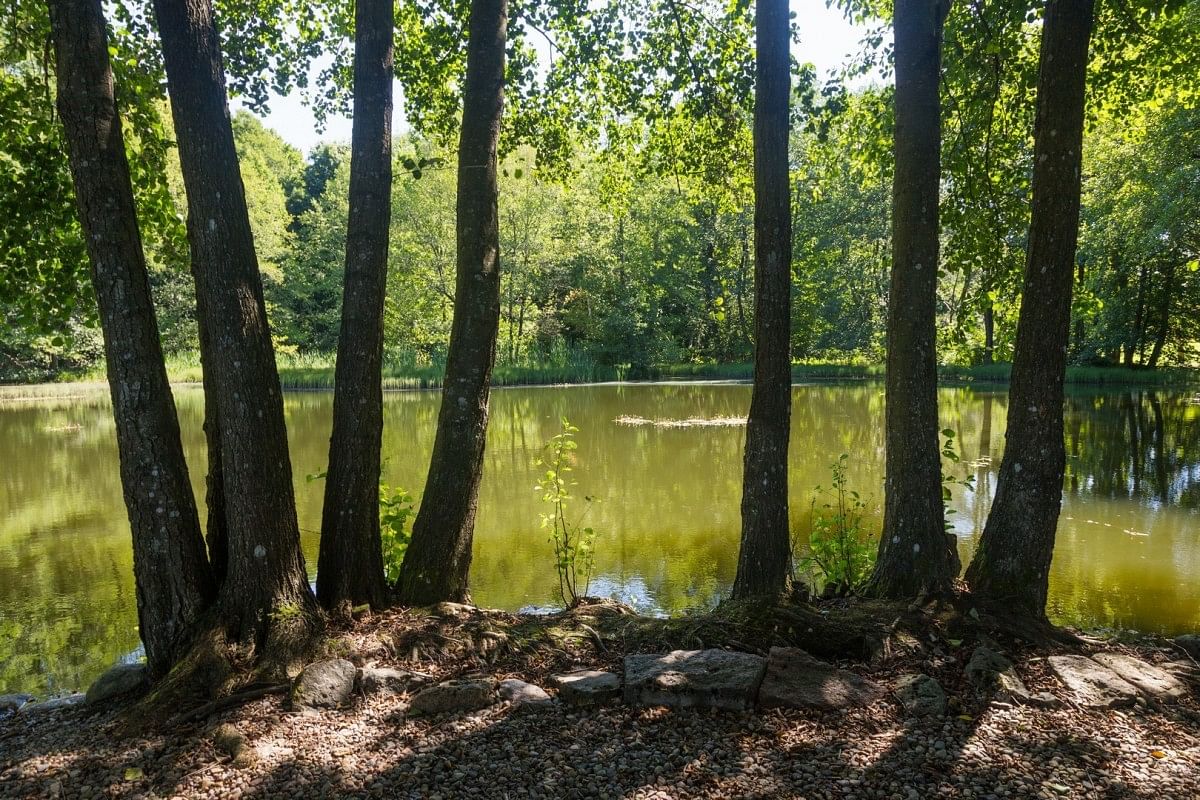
(1128,551)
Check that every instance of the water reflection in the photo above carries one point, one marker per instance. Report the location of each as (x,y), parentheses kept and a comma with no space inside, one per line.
(1127,550)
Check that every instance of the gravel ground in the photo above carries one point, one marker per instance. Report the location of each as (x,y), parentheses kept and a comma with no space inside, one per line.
(372,750)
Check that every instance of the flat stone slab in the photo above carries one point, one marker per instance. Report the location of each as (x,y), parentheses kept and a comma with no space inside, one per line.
(1147,678)
(794,679)
(325,684)
(372,680)
(12,703)
(1092,684)
(585,687)
(921,695)
(55,703)
(452,697)
(694,679)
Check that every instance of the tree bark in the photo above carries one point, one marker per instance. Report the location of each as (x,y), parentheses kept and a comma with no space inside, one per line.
(438,560)
(989,333)
(1011,568)
(174,584)
(916,555)
(764,559)
(350,565)
(265,574)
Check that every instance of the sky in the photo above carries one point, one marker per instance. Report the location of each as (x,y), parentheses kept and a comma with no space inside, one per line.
(826,40)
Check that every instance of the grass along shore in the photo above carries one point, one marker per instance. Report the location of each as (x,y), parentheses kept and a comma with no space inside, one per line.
(316,371)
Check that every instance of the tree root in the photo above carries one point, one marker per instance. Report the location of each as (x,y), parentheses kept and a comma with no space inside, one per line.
(226,703)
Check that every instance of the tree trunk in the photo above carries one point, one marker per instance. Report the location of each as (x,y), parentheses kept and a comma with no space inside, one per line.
(265,573)
(350,566)
(439,557)
(1164,317)
(1011,568)
(1134,344)
(989,334)
(174,584)
(916,555)
(764,559)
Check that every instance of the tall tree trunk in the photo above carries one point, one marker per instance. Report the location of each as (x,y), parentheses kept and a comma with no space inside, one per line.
(1011,568)
(264,566)
(764,559)
(439,557)
(174,585)
(989,333)
(916,555)
(1164,317)
(350,566)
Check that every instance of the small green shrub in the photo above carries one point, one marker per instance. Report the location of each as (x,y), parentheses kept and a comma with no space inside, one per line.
(396,506)
(840,549)
(574,545)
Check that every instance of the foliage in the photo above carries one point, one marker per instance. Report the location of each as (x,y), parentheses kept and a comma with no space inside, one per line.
(839,546)
(574,545)
(395,508)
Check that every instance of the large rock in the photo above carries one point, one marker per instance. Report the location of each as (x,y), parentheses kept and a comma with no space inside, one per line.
(452,697)
(921,695)
(694,679)
(372,680)
(1190,644)
(1147,678)
(520,693)
(794,679)
(121,680)
(586,687)
(325,684)
(991,672)
(1093,685)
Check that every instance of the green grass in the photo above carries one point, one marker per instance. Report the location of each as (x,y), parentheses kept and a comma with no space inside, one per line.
(315,371)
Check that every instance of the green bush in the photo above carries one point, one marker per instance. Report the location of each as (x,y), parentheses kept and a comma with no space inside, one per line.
(840,550)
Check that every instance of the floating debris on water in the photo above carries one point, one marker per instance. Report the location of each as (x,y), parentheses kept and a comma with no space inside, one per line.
(690,422)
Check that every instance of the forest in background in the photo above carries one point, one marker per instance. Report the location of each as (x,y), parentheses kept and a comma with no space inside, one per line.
(635,257)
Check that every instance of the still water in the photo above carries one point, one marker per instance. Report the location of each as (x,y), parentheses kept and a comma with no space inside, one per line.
(1128,551)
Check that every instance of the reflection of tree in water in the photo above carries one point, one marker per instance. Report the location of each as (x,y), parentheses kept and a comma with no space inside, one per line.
(1139,445)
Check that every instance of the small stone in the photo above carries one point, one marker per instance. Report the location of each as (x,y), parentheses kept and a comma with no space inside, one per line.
(585,687)
(1093,685)
(520,693)
(1149,679)
(991,672)
(227,739)
(694,679)
(921,695)
(794,679)
(120,680)
(325,684)
(451,697)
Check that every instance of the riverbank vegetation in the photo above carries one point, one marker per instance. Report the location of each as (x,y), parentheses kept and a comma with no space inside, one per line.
(1010,183)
